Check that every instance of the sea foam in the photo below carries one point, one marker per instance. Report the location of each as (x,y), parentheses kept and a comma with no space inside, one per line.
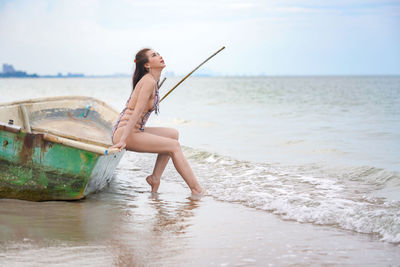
(342,198)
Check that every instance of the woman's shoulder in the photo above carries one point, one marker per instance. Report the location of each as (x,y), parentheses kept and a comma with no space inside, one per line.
(148,80)
(146,84)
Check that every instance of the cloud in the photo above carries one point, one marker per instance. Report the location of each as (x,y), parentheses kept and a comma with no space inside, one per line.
(274,37)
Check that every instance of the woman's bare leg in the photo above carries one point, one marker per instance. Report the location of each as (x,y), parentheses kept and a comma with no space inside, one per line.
(150,143)
(162,159)
(154,179)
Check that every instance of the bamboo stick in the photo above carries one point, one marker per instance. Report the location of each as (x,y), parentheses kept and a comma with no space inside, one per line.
(190,73)
(69,136)
(72,143)
(161,83)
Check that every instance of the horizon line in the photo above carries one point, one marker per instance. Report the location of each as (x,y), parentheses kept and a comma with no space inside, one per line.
(206,76)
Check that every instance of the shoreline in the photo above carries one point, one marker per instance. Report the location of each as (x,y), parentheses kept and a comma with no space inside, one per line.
(171,229)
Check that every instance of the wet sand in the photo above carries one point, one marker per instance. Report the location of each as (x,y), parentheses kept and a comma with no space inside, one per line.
(127,225)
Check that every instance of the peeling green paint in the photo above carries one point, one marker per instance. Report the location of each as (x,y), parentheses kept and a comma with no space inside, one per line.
(34,169)
(38,183)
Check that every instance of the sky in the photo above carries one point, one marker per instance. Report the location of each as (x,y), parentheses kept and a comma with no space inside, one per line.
(262,37)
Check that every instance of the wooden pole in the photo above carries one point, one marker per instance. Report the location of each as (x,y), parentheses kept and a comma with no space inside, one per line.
(161,83)
(89,147)
(25,118)
(69,136)
(176,85)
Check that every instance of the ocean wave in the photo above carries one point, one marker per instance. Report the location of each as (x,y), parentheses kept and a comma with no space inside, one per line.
(349,198)
(179,121)
(176,122)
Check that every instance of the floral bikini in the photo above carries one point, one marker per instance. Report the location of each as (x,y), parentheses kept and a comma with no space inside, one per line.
(145,116)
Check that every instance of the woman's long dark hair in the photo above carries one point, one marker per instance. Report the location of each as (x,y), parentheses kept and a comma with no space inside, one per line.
(140,59)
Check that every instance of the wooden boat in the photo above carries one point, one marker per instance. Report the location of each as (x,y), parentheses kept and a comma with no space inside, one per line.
(56,148)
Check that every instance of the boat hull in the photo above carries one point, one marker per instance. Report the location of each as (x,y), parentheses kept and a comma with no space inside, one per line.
(32,168)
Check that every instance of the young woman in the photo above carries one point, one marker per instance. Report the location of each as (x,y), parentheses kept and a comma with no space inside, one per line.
(129,130)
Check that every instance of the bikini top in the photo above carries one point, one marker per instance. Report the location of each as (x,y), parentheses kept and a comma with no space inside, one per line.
(147,114)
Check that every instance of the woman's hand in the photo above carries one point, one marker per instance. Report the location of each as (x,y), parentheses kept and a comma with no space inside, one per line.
(120,145)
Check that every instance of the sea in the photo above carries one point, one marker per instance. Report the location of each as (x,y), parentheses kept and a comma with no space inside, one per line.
(299,170)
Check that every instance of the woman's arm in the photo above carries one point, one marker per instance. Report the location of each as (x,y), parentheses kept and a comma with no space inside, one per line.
(144,95)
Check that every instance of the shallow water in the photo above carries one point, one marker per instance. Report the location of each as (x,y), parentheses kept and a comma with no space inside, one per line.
(126,225)
(299,170)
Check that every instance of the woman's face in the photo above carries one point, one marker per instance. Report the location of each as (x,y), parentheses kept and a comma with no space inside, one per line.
(155,60)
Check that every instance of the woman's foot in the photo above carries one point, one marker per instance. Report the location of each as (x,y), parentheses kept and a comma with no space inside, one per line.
(153,182)
(199,191)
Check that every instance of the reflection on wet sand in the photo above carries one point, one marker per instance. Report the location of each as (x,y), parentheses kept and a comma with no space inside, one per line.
(80,221)
(171,219)
(116,229)
(145,233)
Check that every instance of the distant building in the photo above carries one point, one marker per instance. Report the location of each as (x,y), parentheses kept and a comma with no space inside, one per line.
(170,74)
(8,68)
(75,74)
(10,72)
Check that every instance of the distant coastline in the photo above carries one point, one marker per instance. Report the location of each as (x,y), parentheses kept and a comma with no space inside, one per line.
(10,72)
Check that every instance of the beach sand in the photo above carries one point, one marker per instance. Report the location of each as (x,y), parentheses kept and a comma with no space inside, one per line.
(172,229)
(212,233)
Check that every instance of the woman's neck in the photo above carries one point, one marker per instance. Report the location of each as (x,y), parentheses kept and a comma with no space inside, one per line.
(156,73)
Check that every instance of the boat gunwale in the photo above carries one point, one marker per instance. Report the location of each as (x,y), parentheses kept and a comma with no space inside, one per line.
(57,98)
(102,149)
